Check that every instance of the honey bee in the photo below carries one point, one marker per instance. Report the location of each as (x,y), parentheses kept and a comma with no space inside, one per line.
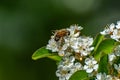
(59,34)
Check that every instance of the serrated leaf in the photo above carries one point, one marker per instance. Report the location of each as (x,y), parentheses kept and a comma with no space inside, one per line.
(43,52)
(79,75)
(105,47)
(103,65)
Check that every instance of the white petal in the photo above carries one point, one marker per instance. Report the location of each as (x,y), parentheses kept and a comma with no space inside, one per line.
(116,66)
(94,62)
(103,33)
(87,61)
(61,53)
(118,25)
(85,67)
(99,76)
(72,58)
(77,34)
(89,70)
(95,67)
(112,26)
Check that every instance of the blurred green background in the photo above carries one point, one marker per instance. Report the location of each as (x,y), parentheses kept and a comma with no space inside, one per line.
(26,25)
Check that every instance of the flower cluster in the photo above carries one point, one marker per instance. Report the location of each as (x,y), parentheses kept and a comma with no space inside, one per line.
(76,52)
(67,67)
(72,47)
(70,43)
(113,30)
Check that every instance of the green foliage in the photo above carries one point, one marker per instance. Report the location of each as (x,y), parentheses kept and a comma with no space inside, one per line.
(103,65)
(79,75)
(105,47)
(98,39)
(43,52)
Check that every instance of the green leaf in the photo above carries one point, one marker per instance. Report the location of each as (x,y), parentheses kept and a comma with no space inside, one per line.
(103,65)
(98,39)
(79,75)
(43,52)
(105,47)
(55,57)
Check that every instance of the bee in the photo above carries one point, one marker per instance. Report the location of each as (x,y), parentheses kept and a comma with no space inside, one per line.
(59,34)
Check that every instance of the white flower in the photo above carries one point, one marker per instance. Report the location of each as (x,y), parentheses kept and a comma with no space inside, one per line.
(117,67)
(90,65)
(103,76)
(67,67)
(77,66)
(74,43)
(117,50)
(64,68)
(116,35)
(111,57)
(68,61)
(118,25)
(100,76)
(63,72)
(74,31)
(62,50)
(108,30)
(52,45)
(113,30)
(82,45)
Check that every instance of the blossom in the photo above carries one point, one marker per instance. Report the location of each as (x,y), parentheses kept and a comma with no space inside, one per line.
(90,65)
(63,49)
(74,31)
(52,45)
(108,30)
(118,25)
(113,30)
(103,76)
(116,35)
(67,67)
(77,66)
(111,57)
(82,45)
(117,50)
(67,61)
(63,72)
(117,67)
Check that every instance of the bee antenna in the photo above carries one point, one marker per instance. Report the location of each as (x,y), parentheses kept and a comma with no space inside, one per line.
(53,31)
(107,26)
